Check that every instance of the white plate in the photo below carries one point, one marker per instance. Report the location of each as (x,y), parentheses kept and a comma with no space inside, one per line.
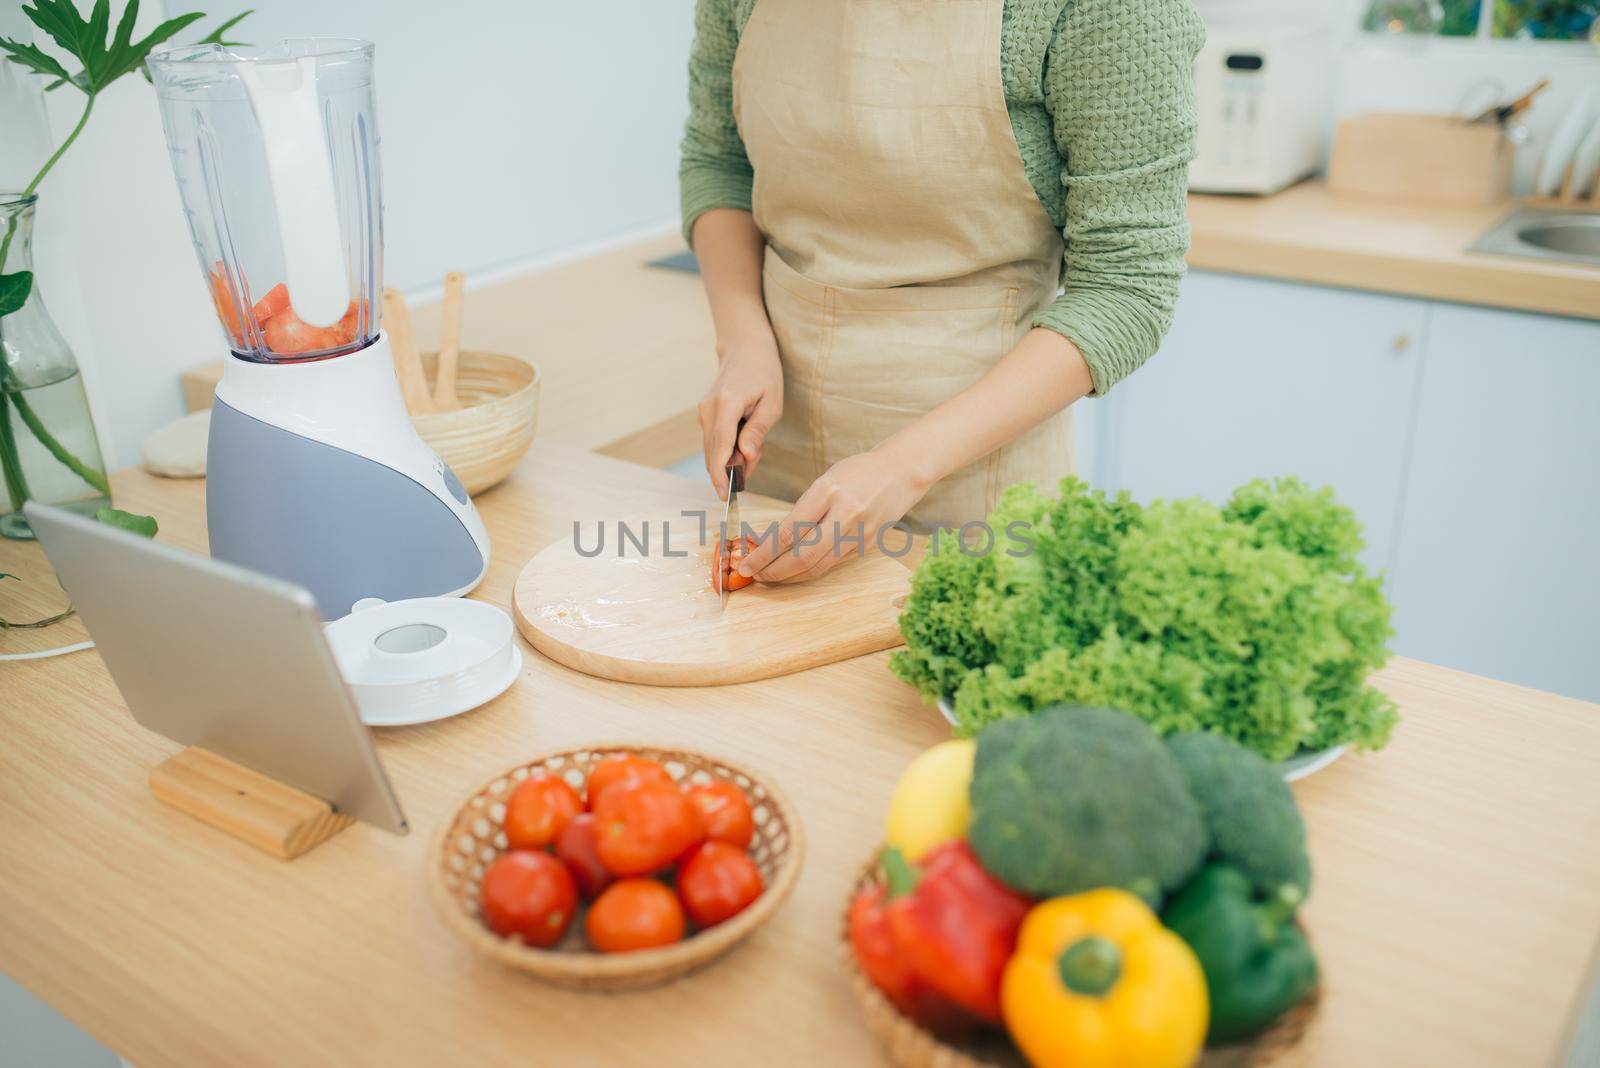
(1563,143)
(1300,765)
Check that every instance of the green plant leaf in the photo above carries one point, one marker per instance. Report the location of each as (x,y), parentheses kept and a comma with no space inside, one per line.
(103,61)
(94,38)
(36,60)
(143,525)
(61,21)
(218,36)
(132,57)
(14,290)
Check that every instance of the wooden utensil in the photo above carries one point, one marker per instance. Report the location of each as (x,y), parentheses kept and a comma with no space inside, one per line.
(1503,113)
(444,385)
(403,345)
(643,610)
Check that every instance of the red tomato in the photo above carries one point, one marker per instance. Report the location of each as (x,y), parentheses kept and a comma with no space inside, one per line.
(287,335)
(276,300)
(634,914)
(717,882)
(575,847)
(724,812)
(643,827)
(620,768)
(529,895)
(727,558)
(538,810)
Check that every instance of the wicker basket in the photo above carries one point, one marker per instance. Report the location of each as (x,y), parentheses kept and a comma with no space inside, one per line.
(489,435)
(909,1046)
(474,837)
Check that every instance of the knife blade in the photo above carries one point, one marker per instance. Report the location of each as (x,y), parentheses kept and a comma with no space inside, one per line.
(730,520)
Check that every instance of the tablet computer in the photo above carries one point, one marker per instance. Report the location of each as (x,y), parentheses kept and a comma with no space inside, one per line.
(214,655)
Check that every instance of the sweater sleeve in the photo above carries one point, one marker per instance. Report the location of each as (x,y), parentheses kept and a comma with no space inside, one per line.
(1120,92)
(714,171)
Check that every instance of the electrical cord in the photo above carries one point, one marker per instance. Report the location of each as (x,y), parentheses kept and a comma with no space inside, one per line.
(46,653)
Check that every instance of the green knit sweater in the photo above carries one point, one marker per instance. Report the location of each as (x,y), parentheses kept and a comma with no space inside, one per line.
(1101,96)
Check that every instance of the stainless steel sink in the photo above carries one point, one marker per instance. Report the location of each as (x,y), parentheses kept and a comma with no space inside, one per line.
(1572,237)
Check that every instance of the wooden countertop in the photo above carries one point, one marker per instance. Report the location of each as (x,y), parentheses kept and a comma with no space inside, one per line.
(1307,234)
(1455,907)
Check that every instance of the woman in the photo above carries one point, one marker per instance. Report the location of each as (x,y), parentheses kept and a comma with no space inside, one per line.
(886,197)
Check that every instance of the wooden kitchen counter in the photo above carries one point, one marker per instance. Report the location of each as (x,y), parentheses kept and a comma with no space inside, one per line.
(1455,909)
(1307,234)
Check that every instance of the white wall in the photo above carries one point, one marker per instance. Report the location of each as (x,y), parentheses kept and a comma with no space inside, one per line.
(511,131)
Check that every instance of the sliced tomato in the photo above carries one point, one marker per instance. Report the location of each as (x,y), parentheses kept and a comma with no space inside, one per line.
(348,328)
(286,335)
(226,302)
(726,559)
(276,300)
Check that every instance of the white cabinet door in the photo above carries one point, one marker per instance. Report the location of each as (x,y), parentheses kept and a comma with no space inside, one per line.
(1262,378)
(1499,553)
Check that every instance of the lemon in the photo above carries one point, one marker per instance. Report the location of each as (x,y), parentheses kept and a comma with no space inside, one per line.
(930,806)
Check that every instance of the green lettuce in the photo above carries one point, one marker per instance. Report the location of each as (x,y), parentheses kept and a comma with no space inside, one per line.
(1255,620)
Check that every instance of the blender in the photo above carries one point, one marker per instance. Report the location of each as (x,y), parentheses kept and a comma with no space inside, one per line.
(314,471)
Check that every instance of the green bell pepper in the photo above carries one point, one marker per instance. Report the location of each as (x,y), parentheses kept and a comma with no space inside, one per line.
(1257,961)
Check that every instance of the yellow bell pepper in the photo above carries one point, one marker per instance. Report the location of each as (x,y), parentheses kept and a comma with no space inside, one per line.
(1097,982)
(930,806)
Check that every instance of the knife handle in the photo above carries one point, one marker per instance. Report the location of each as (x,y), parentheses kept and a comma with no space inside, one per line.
(736,463)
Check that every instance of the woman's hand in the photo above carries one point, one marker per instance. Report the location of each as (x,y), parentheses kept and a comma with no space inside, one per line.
(840,515)
(748,386)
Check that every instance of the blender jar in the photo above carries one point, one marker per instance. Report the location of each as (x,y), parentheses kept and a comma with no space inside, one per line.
(276,154)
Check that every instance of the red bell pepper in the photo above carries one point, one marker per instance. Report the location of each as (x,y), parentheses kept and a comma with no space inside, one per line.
(880,960)
(954,926)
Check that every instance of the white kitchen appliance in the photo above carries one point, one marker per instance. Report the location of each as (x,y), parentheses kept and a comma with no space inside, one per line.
(314,471)
(1263,92)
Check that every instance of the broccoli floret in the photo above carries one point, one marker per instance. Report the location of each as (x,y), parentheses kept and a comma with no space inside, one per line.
(1249,811)
(1072,799)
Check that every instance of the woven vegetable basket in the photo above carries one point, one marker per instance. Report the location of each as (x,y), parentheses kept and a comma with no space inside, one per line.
(474,837)
(500,410)
(909,1046)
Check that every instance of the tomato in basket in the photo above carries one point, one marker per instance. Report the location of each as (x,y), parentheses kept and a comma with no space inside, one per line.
(538,811)
(529,895)
(717,882)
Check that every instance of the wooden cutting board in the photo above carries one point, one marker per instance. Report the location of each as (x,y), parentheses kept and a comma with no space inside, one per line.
(646,617)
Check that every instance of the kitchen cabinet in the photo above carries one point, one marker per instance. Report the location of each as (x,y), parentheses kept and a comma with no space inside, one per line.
(1465,439)
(1498,562)
(1260,378)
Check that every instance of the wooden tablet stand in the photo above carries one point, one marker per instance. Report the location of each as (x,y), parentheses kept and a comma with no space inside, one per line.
(254,808)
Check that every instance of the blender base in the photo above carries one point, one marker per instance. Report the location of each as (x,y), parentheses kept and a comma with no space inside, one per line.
(314,474)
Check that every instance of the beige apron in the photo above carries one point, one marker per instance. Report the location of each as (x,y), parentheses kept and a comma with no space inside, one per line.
(906,250)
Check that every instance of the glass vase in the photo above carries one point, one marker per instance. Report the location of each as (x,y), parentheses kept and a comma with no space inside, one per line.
(48,448)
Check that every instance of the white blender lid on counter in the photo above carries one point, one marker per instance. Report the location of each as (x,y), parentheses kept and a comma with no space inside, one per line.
(315,473)
(424,659)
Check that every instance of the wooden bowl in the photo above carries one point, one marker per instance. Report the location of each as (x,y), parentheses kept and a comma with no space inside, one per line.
(474,837)
(909,1046)
(500,410)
